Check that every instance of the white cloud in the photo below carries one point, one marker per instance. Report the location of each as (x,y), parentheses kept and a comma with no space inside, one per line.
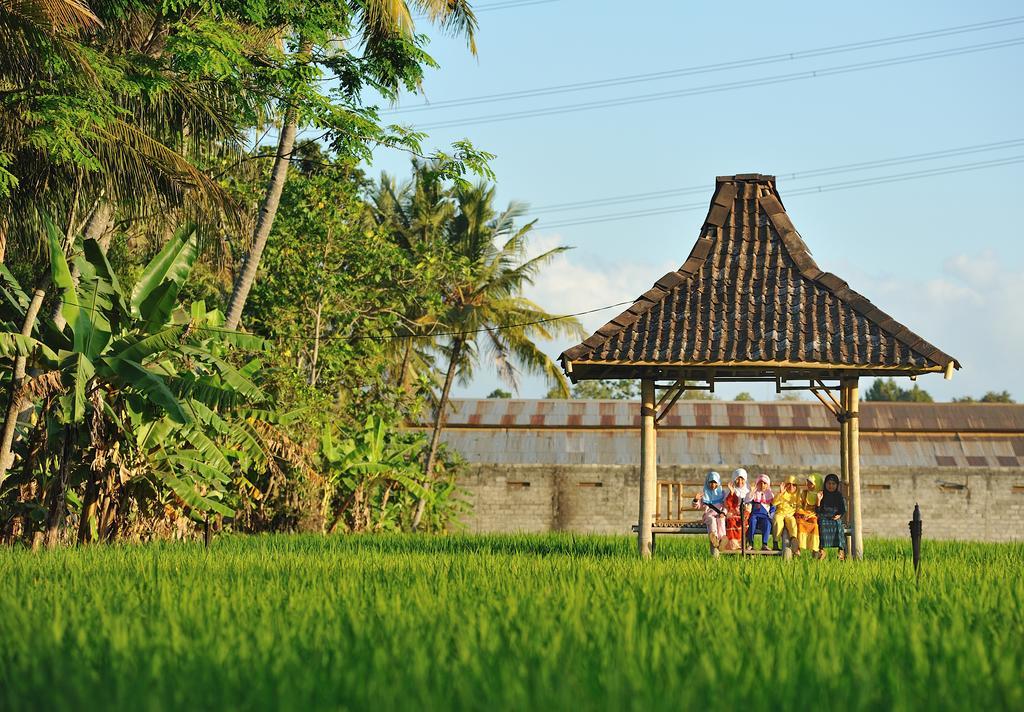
(973,310)
(569,285)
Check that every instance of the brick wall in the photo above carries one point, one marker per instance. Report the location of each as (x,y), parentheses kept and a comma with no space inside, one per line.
(979,504)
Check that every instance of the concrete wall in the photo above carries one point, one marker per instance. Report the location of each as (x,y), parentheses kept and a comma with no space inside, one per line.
(979,504)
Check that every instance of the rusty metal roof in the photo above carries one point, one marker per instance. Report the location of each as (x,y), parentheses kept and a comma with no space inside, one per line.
(773,434)
(750,299)
(774,415)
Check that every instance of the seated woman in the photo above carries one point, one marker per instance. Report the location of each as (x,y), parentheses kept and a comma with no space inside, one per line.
(759,504)
(734,509)
(831,511)
(807,516)
(785,511)
(712,499)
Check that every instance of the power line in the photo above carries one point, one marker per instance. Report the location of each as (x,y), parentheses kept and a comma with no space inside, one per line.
(510,5)
(488,7)
(845,185)
(710,68)
(796,175)
(727,86)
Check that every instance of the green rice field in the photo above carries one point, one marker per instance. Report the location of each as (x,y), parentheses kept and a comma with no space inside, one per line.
(507,622)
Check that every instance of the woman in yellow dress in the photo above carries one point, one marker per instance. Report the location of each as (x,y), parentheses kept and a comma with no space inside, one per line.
(807,515)
(786,503)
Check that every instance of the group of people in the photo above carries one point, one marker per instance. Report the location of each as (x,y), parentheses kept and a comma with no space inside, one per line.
(811,515)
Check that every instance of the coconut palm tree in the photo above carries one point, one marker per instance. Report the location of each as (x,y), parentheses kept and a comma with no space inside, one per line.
(487,320)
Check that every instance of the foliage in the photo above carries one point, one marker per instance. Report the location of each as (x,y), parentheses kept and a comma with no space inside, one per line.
(989,397)
(499,393)
(301,622)
(371,477)
(888,390)
(622,389)
(141,395)
(743,396)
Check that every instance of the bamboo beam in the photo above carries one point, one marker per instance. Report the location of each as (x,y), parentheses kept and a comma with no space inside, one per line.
(664,411)
(824,402)
(830,396)
(648,468)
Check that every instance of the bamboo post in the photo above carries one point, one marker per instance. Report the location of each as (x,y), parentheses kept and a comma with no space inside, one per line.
(844,463)
(648,467)
(853,449)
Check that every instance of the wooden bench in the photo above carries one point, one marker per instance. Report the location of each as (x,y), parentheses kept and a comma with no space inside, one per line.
(674,514)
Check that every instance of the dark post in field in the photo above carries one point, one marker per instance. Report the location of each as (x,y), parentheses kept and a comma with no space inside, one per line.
(915,540)
(206,531)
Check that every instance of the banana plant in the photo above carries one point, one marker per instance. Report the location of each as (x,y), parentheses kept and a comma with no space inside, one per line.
(365,468)
(141,370)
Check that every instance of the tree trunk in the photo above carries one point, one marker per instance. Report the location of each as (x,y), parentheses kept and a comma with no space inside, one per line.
(89,507)
(268,210)
(316,339)
(17,380)
(435,438)
(59,491)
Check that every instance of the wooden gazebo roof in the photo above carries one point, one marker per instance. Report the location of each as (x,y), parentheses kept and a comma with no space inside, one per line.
(751,302)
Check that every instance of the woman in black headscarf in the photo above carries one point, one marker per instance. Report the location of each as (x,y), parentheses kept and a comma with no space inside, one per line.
(830,517)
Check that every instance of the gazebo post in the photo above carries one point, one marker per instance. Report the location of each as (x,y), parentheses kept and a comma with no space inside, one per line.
(844,449)
(853,454)
(648,467)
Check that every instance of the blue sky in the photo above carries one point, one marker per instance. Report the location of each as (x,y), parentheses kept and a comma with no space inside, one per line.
(943,254)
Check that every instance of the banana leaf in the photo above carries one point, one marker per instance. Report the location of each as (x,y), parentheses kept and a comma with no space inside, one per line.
(133,374)
(60,272)
(76,372)
(170,267)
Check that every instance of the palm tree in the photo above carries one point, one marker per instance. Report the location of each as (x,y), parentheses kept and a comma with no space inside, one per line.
(379,23)
(487,318)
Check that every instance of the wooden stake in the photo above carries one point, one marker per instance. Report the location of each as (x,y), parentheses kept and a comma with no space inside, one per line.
(648,467)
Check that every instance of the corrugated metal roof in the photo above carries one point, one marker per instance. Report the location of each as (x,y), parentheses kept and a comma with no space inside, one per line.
(733,434)
(784,415)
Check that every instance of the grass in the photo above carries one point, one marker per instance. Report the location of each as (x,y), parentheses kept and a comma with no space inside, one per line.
(506,622)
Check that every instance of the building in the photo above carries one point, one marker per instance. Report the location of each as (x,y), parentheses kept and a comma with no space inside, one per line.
(572,465)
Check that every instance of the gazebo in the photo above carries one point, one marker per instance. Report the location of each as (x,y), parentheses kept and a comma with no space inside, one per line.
(751,305)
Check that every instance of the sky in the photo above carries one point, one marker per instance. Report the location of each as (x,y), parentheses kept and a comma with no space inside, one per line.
(941,252)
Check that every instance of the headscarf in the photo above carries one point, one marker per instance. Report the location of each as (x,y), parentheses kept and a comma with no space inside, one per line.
(815,481)
(716,496)
(791,480)
(833,500)
(765,497)
(743,491)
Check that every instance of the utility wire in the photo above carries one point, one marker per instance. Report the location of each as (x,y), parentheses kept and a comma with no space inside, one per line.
(710,68)
(796,175)
(845,185)
(727,86)
(487,7)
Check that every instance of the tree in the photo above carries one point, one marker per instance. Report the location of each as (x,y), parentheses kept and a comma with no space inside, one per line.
(888,390)
(622,389)
(391,60)
(989,397)
(485,314)
(499,393)
(743,396)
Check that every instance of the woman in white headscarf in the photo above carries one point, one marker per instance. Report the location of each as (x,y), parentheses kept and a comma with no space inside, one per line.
(734,508)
